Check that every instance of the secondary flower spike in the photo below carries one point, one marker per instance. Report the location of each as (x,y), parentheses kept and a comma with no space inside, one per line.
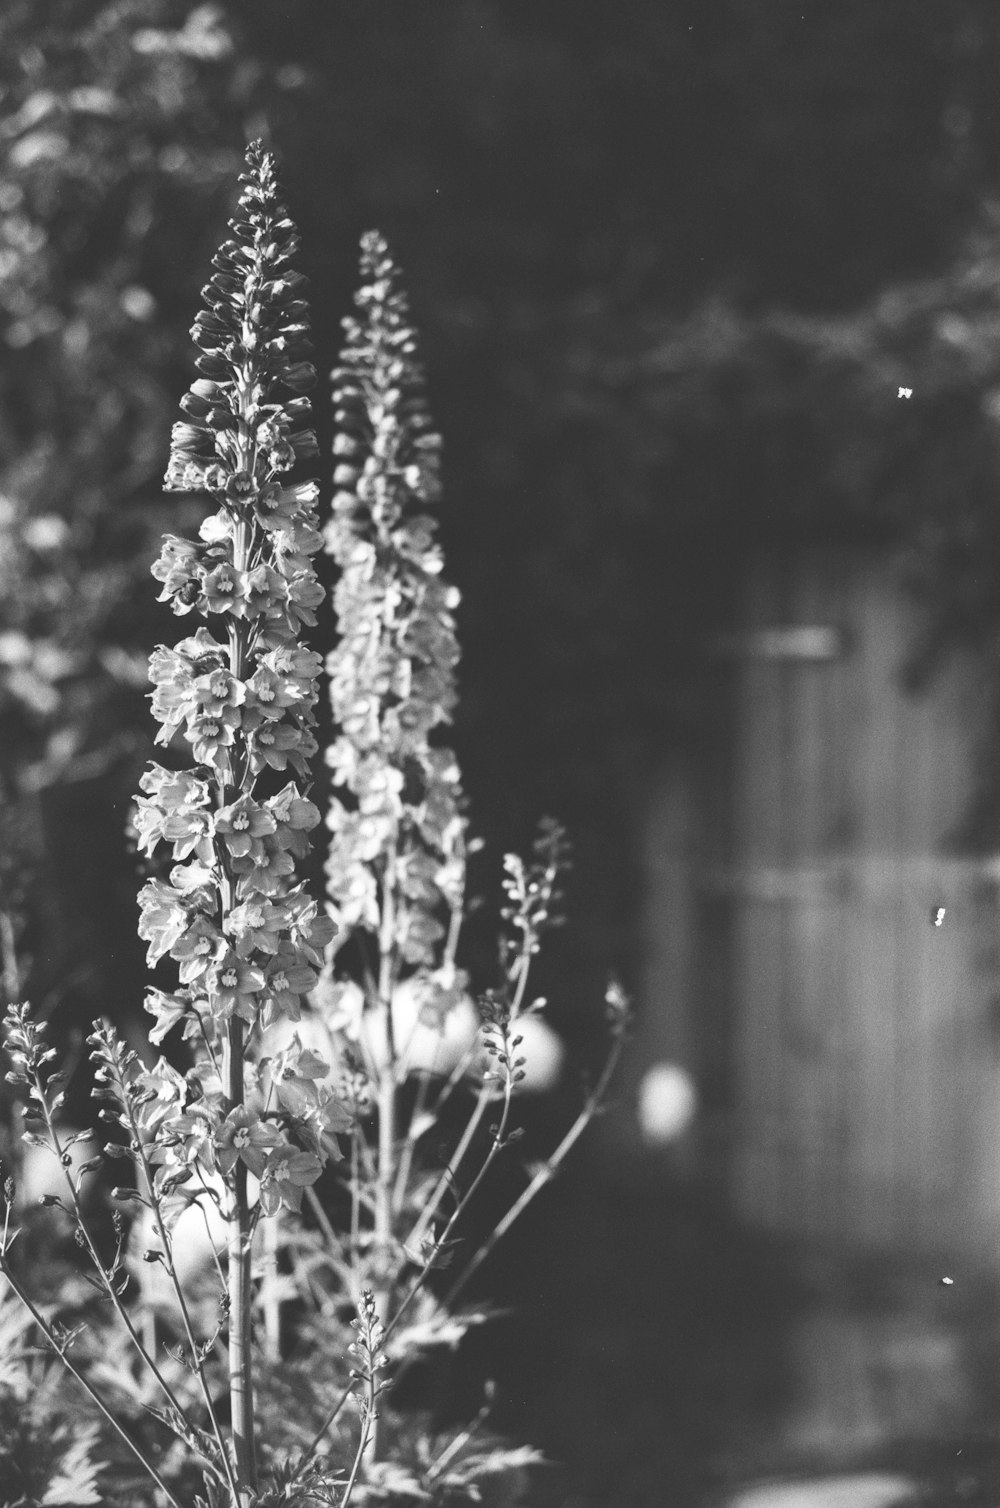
(398,838)
(240,692)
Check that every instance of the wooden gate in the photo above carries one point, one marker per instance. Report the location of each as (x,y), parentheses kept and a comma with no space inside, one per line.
(820,949)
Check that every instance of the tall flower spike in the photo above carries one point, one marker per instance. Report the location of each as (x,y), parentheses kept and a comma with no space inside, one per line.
(396,859)
(246,938)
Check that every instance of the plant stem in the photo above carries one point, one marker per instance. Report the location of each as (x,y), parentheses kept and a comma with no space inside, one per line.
(239,1233)
(198,1363)
(92,1393)
(545,1173)
(448,1176)
(270,1301)
(144,1352)
(383,1221)
(462,1205)
(240,1354)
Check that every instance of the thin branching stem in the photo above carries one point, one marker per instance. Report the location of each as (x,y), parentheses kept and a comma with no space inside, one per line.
(364,1440)
(91,1392)
(404,1161)
(98,1265)
(193,1346)
(545,1173)
(496,1145)
(328,1423)
(459,1442)
(448,1177)
(109,1287)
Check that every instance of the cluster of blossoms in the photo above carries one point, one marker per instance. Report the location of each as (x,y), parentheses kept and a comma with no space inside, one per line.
(397,855)
(247,940)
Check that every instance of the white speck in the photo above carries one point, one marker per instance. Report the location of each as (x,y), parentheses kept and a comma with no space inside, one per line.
(947,1282)
(937,915)
(905,392)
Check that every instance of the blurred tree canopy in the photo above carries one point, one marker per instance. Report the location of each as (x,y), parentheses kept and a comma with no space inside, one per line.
(671,263)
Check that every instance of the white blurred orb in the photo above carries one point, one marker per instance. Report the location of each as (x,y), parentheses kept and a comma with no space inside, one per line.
(198,1236)
(667,1103)
(432,1028)
(543,1051)
(41,1173)
(311,1030)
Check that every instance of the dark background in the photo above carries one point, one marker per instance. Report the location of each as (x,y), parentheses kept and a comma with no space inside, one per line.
(670,261)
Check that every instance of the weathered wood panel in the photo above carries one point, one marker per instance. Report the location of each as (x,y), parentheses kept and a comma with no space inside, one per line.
(862,1039)
(862,1067)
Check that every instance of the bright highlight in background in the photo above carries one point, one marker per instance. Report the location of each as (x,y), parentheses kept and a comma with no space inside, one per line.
(667,1103)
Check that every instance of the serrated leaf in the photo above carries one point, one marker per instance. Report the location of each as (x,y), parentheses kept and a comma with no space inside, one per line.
(75,1481)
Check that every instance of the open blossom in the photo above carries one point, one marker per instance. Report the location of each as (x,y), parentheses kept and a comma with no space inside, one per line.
(288,1174)
(243,826)
(197,949)
(239,697)
(244,1137)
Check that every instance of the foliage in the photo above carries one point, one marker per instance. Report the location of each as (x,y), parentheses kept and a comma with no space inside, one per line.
(46,1457)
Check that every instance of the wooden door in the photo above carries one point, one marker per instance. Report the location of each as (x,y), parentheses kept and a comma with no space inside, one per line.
(848,1043)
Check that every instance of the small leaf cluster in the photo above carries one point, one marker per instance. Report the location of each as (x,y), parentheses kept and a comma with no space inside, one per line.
(532,892)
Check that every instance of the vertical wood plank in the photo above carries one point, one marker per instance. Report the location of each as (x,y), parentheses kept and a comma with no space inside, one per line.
(867,1073)
(870,955)
(758,930)
(814,916)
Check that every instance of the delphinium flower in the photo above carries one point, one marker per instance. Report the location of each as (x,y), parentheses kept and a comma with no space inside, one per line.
(396,863)
(239,694)
(396,868)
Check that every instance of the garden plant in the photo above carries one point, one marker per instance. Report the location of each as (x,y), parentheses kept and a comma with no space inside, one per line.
(287,1232)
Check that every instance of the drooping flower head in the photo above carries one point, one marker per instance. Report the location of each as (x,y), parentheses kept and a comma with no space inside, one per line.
(398,831)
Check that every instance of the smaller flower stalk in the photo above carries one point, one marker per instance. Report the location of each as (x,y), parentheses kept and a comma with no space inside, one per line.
(396,865)
(396,869)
